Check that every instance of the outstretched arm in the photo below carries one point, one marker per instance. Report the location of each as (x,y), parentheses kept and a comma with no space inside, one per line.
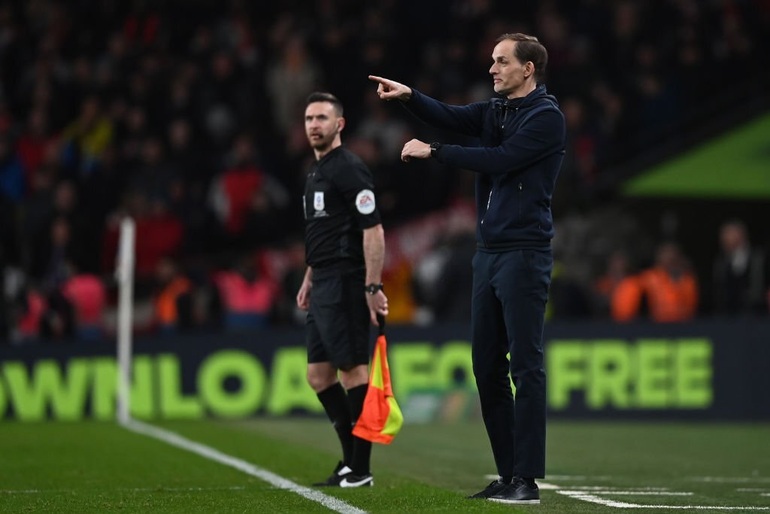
(465,119)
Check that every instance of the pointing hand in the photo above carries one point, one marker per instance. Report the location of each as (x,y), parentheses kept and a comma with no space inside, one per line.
(390,89)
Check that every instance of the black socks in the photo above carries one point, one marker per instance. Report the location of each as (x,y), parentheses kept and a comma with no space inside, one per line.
(335,403)
(362,449)
(527,480)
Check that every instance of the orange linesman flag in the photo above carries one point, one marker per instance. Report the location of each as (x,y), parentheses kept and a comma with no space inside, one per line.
(381,417)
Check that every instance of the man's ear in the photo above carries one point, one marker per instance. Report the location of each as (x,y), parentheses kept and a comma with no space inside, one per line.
(529,69)
(340,124)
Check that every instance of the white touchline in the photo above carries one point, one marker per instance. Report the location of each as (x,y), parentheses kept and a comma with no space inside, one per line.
(580,477)
(732,480)
(582,495)
(605,489)
(129,489)
(177,440)
(634,493)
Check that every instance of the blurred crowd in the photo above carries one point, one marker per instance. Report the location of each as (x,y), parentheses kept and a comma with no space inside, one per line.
(187,117)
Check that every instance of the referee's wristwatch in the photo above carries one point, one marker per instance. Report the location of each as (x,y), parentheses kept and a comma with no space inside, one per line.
(373,288)
(434,148)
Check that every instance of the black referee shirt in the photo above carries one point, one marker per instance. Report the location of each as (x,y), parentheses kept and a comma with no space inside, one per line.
(339,204)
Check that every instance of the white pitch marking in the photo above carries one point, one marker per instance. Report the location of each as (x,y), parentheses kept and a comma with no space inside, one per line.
(129,489)
(176,489)
(579,477)
(640,493)
(581,495)
(562,477)
(732,480)
(33,491)
(207,452)
(599,488)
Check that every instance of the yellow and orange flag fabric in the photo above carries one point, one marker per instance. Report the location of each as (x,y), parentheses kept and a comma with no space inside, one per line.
(381,417)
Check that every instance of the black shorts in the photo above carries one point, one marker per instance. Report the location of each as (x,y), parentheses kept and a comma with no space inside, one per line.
(337,329)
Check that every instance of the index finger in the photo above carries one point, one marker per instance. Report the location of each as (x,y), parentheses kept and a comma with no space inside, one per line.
(381,80)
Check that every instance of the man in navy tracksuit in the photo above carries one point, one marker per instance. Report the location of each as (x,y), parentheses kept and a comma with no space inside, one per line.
(521,147)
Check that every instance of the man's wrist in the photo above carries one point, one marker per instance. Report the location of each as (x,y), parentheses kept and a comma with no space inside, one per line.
(434,147)
(373,288)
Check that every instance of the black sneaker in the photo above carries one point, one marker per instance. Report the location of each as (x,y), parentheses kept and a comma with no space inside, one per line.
(519,492)
(351,480)
(340,471)
(494,487)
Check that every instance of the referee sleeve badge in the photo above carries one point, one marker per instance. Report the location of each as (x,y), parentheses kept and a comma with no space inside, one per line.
(365,201)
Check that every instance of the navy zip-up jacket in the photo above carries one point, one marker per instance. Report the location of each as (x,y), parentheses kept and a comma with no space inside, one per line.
(521,148)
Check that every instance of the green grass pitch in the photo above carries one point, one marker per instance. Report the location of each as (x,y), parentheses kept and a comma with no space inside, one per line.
(593,467)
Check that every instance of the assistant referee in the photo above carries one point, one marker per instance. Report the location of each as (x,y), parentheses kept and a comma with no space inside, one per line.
(345,250)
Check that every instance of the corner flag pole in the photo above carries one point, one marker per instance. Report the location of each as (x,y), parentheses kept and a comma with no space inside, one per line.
(125,278)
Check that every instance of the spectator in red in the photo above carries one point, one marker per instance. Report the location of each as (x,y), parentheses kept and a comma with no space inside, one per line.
(158,235)
(32,144)
(88,296)
(29,316)
(231,193)
(248,297)
(142,24)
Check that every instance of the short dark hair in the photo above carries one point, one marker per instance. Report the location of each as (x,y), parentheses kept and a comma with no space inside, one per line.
(528,48)
(320,96)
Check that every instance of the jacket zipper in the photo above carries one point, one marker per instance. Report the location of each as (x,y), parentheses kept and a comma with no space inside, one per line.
(489,202)
(502,126)
(481,232)
(489,199)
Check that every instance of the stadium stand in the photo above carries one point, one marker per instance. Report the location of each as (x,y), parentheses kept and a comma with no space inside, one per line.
(187,116)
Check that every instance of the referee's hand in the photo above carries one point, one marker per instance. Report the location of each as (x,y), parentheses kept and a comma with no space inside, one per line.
(378,304)
(390,89)
(303,295)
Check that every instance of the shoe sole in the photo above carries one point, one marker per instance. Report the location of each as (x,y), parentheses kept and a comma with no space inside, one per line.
(335,479)
(329,483)
(517,502)
(367,482)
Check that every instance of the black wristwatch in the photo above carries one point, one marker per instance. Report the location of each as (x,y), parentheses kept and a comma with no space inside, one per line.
(373,288)
(434,148)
